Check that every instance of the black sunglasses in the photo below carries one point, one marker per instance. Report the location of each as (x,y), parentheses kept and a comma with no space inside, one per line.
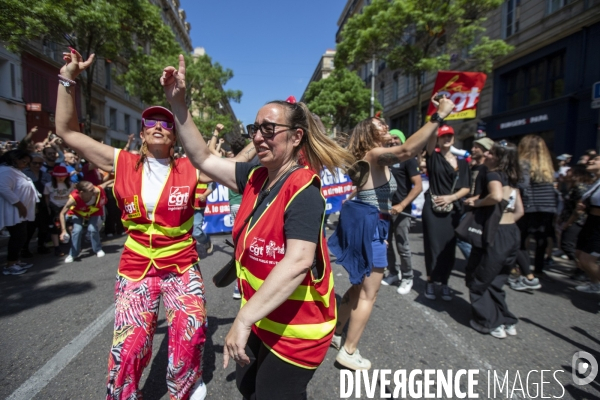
(266,128)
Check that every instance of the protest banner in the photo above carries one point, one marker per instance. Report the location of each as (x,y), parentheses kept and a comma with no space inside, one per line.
(463,88)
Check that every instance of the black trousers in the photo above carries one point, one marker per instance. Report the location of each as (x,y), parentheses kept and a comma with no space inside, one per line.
(41,224)
(540,225)
(487,272)
(439,241)
(112,223)
(18,236)
(269,377)
(568,240)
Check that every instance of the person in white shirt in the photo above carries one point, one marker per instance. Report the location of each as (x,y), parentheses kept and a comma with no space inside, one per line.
(17,206)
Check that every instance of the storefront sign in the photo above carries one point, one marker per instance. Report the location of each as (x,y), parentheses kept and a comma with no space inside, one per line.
(34,106)
(523,121)
(463,88)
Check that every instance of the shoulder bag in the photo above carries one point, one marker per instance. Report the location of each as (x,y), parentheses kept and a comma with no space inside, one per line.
(448,207)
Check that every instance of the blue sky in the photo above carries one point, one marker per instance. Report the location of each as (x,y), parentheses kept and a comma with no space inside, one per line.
(272,46)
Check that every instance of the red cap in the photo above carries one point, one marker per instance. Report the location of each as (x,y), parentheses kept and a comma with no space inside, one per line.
(158,110)
(445,130)
(59,170)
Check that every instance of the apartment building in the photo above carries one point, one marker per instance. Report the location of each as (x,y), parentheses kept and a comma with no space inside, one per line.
(324,68)
(13,125)
(543,87)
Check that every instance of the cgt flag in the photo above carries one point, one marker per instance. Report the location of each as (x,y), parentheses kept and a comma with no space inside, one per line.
(463,88)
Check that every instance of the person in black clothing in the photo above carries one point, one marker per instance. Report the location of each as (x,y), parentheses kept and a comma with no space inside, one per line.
(488,267)
(410,185)
(480,149)
(42,218)
(449,181)
(540,204)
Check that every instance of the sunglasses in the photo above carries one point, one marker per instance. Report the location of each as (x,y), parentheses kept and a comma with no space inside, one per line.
(36,163)
(151,123)
(266,128)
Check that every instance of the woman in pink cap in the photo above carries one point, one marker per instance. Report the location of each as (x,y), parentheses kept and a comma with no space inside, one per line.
(155,193)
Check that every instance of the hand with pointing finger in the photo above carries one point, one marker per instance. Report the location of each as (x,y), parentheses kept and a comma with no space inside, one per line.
(173,82)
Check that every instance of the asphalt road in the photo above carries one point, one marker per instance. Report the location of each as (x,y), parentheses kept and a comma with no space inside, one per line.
(56,324)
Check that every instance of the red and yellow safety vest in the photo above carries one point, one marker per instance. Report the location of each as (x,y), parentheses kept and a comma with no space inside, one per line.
(165,241)
(84,210)
(299,331)
(201,188)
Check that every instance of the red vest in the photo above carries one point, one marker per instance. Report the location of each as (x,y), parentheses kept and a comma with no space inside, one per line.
(201,188)
(299,331)
(85,211)
(165,241)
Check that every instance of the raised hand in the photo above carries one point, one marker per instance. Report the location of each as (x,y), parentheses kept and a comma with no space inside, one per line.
(444,105)
(173,82)
(74,64)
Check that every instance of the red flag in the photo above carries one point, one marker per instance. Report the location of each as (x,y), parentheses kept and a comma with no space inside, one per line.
(463,88)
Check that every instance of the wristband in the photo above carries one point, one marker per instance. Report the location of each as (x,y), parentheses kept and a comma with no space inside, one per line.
(436,118)
(66,82)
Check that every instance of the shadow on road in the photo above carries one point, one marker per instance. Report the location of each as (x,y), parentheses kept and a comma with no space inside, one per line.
(156,386)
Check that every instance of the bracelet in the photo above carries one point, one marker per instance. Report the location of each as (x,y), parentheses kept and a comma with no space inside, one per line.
(66,82)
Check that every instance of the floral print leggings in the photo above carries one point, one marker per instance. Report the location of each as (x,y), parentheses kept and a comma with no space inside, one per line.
(136,313)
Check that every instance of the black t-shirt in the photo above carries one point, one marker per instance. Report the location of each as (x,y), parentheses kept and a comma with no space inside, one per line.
(442,175)
(403,172)
(302,218)
(477,177)
(491,176)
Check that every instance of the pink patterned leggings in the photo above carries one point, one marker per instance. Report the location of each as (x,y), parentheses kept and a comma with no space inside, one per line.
(136,313)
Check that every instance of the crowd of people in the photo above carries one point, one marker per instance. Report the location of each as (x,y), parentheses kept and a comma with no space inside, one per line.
(289,316)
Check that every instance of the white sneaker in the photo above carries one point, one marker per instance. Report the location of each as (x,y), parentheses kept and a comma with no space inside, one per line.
(24,265)
(390,280)
(405,286)
(499,332)
(510,330)
(198,391)
(13,270)
(101,253)
(352,361)
(336,342)
(589,288)
(69,259)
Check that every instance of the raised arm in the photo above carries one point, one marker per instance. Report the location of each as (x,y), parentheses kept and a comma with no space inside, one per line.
(385,156)
(212,144)
(67,126)
(219,169)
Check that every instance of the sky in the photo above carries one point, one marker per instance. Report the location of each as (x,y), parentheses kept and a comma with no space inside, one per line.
(272,46)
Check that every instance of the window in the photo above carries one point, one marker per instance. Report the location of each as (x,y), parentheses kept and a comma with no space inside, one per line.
(107,76)
(542,80)
(381,94)
(406,84)
(402,122)
(127,127)
(13,81)
(395,88)
(555,5)
(113,119)
(512,9)
(7,129)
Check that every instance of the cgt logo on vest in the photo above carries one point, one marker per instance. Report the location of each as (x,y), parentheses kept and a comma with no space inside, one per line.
(132,207)
(178,197)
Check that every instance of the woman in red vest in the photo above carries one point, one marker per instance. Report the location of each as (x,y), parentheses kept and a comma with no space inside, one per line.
(155,194)
(86,202)
(282,332)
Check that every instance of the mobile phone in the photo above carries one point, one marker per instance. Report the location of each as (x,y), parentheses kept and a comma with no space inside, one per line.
(438,97)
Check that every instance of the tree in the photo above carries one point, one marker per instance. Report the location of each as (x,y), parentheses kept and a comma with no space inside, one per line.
(418,36)
(114,30)
(340,99)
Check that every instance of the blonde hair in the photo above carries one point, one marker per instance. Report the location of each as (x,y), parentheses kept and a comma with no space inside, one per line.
(533,151)
(362,138)
(316,149)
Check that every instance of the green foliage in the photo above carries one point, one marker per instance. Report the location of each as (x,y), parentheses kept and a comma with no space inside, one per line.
(340,99)
(417,36)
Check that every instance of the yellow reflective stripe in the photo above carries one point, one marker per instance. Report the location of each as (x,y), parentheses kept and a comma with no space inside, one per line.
(298,331)
(155,229)
(160,252)
(302,292)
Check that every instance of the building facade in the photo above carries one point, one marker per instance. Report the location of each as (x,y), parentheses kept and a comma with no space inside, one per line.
(542,87)
(324,68)
(13,125)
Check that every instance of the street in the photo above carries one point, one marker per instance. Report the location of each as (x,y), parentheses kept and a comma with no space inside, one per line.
(57,329)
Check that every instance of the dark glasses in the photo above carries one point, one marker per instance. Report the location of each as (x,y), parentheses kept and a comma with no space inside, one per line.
(502,143)
(151,123)
(266,128)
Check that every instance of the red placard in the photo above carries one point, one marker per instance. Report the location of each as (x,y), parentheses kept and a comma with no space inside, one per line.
(34,106)
(463,88)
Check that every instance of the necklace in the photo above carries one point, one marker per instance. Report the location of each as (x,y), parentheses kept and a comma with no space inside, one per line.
(265,192)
